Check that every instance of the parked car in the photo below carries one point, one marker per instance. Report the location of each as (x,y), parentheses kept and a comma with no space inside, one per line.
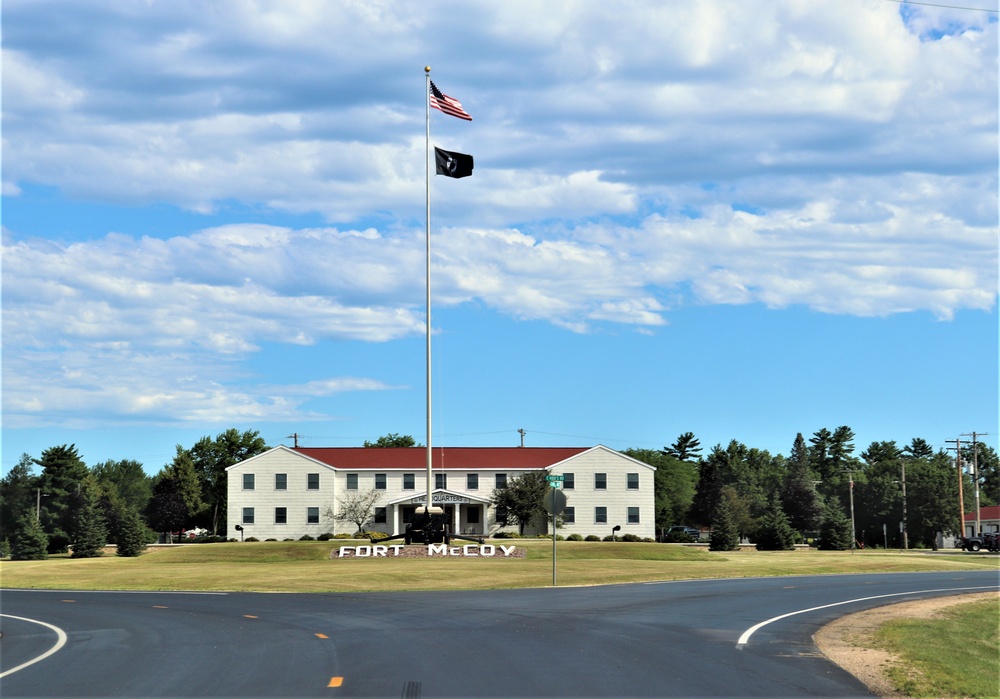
(682,533)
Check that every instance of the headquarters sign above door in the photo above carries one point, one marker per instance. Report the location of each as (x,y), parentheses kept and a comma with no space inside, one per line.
(439,498)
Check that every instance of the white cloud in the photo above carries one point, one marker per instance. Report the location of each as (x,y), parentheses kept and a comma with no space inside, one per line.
(630,157)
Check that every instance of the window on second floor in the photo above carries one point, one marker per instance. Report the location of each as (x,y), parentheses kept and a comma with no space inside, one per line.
(352,481)
(409,481)
(441,480)
(600,481)
(281,481)
(568,481)
(472,481)
(247,481)
(633,481)
(312,481)
(379,481)
(501,480)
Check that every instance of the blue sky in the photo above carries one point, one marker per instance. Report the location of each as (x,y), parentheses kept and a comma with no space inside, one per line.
(740,218)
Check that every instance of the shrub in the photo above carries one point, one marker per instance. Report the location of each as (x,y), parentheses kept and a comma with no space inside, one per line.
(610,537)
(631,538)
(592,537)
(377,536)
(678,537)
(574,537)
(251,538)
(325,536)
(306,537)
(343,535)
(506,535)
(276,539)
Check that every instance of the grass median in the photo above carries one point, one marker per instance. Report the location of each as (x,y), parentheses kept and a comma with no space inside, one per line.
(308,566)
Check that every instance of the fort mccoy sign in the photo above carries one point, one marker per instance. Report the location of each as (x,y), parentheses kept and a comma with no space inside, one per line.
(429,551)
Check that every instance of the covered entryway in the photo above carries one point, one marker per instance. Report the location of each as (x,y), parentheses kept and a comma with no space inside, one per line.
(465,514)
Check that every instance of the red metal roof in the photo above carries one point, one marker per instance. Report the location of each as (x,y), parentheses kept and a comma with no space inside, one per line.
(463,458)
(988,512)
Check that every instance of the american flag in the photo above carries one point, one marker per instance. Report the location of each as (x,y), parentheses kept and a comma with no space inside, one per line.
(448,105)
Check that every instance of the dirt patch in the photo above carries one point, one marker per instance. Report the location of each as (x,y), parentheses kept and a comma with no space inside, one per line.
(848,640)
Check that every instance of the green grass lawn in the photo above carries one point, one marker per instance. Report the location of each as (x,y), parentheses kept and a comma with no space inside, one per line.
(307,566)
(956,654)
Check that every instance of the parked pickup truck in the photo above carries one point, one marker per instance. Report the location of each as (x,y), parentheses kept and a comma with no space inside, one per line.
(990,542)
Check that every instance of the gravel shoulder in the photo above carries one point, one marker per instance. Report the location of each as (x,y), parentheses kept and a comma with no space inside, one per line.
(848,640)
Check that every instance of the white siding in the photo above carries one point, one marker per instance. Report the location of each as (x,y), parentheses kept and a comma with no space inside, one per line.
(584,498)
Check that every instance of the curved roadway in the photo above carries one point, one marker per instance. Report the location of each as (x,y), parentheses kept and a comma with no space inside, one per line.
(722,638)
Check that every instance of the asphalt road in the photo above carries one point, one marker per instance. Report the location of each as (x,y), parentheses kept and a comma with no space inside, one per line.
(678,639)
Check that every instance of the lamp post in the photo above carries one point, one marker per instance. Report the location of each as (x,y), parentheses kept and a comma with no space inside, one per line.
(38,503)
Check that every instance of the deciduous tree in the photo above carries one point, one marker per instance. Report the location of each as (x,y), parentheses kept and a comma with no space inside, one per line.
(523,499)
(392,440)
(356,507)
(212,457)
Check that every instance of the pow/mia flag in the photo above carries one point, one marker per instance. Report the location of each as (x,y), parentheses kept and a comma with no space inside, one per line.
(451,164)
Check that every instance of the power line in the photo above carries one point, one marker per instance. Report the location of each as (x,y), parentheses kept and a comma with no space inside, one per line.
(950,7)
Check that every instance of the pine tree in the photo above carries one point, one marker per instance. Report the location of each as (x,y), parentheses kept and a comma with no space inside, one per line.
(708,491)
(835,531)
(90,534)
(724,535)
(131,533)
(799,498)
(30,542)
(63,473)
(774,533)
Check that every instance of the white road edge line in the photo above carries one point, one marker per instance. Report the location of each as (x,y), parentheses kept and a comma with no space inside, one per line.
(745,638)
(60,642)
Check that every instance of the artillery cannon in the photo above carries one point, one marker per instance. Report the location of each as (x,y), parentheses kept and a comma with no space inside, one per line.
(429,528)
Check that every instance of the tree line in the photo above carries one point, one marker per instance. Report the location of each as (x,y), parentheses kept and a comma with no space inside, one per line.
(737,491)
(68,505)
(776,500)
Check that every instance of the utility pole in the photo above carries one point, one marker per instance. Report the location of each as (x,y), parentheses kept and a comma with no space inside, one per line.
(906,542)
(961,480)
(295,436)
(975,477)
(522,433)
(850,476)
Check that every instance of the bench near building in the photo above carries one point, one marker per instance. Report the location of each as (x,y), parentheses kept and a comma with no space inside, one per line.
(286,493)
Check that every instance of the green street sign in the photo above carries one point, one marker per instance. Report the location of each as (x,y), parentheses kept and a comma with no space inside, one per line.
(551,479)
(554,484)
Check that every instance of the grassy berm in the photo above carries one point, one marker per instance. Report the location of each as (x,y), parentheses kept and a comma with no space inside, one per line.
(313,566)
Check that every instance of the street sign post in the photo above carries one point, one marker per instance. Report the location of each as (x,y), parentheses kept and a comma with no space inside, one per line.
(555,503)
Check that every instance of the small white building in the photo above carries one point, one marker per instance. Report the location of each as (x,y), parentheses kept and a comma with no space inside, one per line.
(286,493)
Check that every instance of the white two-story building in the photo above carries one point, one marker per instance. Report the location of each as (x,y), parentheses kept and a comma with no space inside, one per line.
(286,492)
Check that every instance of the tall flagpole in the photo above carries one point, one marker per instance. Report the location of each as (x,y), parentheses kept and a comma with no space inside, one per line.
(427,169)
